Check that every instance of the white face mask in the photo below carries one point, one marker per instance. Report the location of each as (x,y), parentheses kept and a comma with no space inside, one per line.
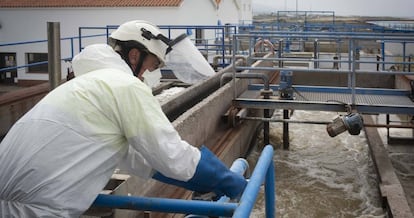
(152,78)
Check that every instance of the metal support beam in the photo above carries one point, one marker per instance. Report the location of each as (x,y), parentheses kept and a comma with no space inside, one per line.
(285,130)
(53,45)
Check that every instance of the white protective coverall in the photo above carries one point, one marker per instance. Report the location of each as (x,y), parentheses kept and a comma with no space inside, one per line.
(58,157)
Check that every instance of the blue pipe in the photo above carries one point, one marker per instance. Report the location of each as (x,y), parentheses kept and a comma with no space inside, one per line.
(165,205)
(219,208)
(251,192)
(263,170)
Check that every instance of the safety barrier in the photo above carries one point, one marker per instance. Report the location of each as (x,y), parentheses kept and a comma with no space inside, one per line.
(263,172)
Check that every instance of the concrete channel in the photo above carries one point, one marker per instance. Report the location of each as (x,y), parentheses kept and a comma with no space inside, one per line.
(396,199)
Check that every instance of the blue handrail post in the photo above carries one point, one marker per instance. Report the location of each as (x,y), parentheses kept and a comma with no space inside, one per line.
(270,192)
(251,192)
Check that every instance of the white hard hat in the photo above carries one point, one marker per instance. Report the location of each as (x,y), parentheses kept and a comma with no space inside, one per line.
(140,31)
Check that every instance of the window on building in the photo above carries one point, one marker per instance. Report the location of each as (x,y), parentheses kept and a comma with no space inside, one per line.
(37,62)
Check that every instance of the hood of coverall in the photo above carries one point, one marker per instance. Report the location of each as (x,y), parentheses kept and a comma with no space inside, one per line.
(96,57)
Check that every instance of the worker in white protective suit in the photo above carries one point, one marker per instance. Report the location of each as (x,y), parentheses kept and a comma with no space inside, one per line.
(57,158)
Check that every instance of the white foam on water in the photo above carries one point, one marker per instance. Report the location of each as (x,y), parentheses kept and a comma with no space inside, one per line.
(320,176)
(168,93)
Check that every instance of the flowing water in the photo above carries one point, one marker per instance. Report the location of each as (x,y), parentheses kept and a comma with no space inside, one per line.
(320,176)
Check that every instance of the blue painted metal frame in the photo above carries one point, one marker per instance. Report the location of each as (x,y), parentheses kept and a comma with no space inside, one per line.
(328,106)
(263,172)
(341,90)
(320,106)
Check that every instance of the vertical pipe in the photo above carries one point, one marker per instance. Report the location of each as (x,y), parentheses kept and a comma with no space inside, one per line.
(223,51)
(266,126)
(279,52)
(335,63)
(350,55)
(353,70)
(383,54)
(107,34)
(54,65)
(388,129)
(80,38)
(72,46)
(404,56)
(234,65)
(378,60)
(285,130)
(316,54)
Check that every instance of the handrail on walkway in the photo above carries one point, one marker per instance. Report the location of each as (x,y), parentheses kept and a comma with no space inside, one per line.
(263,172)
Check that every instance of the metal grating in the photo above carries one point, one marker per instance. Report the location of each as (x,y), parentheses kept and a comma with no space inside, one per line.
(365,99)
(387,101)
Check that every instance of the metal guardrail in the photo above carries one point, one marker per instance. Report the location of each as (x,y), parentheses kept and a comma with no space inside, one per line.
(219,46)
(263,172)
(222,32)
(324,98)
(283,39)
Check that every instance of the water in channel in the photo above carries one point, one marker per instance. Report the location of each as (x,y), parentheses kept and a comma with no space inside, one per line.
(320,176)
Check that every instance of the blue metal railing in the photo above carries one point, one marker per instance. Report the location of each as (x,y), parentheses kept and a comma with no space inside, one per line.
(222,31)
(220,46)
(263,172)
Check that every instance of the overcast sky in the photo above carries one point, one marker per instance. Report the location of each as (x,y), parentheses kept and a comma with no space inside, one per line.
(395,8)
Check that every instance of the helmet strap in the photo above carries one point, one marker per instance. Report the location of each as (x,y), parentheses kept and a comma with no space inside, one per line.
(142,56)
(124,50)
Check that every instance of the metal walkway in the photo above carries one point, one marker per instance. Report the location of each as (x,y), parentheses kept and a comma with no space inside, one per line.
(322,98)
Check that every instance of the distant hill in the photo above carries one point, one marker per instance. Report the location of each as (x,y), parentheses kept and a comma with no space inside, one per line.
(263,8)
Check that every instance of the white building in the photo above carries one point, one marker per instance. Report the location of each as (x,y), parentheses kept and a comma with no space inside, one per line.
(26,20)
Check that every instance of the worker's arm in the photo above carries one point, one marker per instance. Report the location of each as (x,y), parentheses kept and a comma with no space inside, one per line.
(151,134)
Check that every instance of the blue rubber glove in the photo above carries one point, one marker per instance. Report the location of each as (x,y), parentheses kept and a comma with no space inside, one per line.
(211,176)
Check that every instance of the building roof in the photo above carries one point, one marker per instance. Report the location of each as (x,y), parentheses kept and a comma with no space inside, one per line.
(88,3)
